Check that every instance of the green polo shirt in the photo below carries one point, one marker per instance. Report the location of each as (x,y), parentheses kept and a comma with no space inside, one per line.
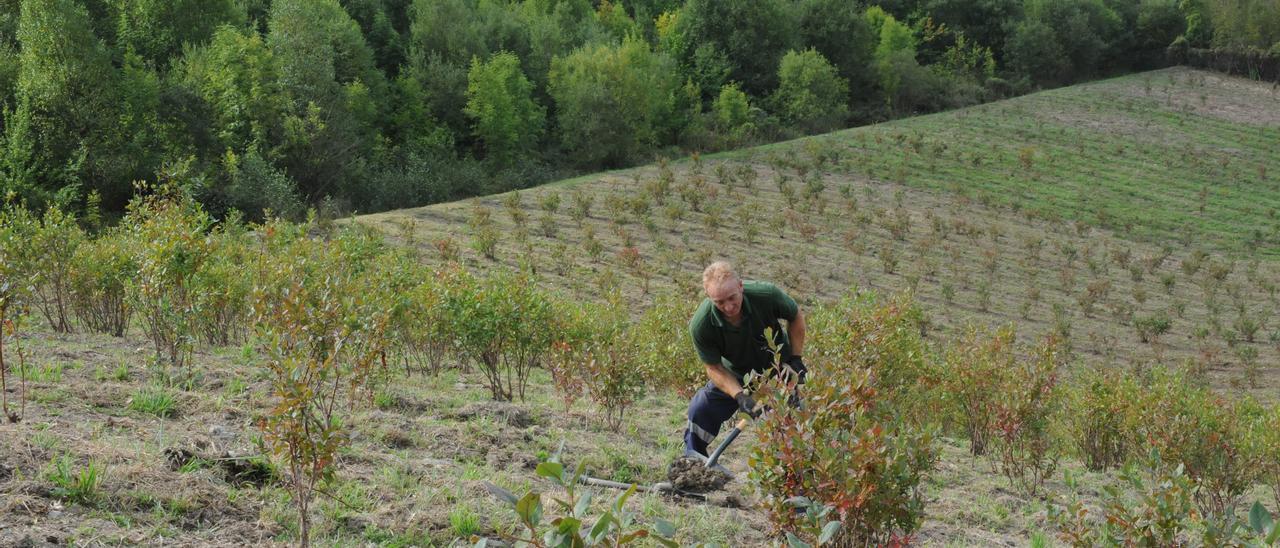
(742,349)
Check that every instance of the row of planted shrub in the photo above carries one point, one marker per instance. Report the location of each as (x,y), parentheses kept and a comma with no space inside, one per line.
(336,305)
(879,393)
(182,279)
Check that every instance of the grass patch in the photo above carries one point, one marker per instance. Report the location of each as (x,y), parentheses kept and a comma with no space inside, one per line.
(463,521)
(76,485)
(154,400)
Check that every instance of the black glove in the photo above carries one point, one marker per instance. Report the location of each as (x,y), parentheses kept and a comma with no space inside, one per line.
(747,404)
(797,363)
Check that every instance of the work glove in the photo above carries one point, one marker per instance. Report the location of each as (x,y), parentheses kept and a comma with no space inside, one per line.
(797,364)
(747,404)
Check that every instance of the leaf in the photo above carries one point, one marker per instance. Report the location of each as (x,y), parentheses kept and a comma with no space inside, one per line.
(600,528)
(529,509)
(622,499)
(828,532)
(798,502)
(664,528)
(1260,519)
(501,493)
(795,542)
(552,470)
(584,503)
(667,542)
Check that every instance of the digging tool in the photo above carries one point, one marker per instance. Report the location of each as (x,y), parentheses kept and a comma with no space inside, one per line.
(666,486)
(732,435)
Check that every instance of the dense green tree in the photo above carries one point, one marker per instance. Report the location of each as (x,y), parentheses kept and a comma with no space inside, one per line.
(1159,22)
(1240,24)
(238,77)
(895,51)
(444,35)
(500,103)
(984,22)
(139,141)
(614,102)
(1199,31)
(614,20)
(751,36)
(379,30)
(1034,52)
(329,73)
(447,28)
(732,108)
(157,29)
(56,139)
(10,64)
(554,28)
(811,94)
(1087,31)
(837,29)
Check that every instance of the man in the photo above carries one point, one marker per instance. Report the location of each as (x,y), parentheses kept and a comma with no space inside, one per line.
(729,334)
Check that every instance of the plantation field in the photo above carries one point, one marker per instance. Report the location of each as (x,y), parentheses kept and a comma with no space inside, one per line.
(1135,217)
(1077,215)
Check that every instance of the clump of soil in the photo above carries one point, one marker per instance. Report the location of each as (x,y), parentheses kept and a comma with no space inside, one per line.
(509,413)
(690,474)
(235,470)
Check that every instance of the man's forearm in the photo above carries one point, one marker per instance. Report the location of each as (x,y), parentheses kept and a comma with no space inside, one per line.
(795,332)
(724,380)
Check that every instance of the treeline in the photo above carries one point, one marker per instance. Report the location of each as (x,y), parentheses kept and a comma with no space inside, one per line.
(374,104)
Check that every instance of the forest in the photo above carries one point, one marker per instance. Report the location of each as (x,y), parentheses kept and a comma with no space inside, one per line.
(365,105)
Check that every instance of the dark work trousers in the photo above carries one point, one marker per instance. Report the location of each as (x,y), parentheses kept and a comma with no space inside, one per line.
(708,409)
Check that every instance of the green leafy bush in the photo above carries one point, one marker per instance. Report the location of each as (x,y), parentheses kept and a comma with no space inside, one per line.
(15,296)
(1207,434)
(168,236)
(1104,406)
(575,326)
(846,444)
(664,354)
(220,288)
(52,245)
(1268,444)
(1028,404)
(1150,328)
(977,365)
(99,282)
(1159,509)
(614,379)
(860,331)
(420,331)
(1155,505)
(321,331)
(501,324)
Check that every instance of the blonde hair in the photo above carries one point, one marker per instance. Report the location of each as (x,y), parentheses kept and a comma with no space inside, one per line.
(718,273)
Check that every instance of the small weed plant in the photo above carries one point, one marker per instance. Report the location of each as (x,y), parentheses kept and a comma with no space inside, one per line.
(568,522)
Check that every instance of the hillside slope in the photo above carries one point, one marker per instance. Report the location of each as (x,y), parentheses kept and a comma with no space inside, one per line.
(1135,216)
